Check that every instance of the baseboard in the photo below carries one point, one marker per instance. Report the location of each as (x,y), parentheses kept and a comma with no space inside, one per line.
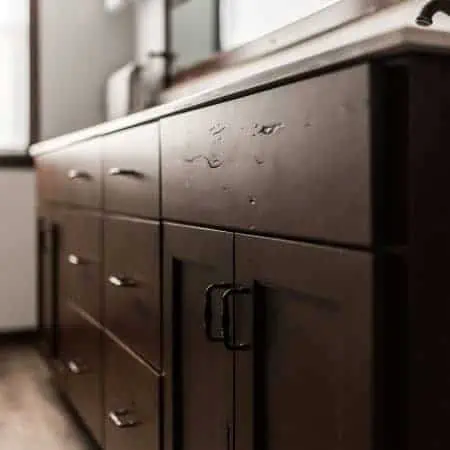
(20,336)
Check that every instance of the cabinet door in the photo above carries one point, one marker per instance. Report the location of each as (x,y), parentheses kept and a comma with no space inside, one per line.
(199,400)
(47,266)
(304,330)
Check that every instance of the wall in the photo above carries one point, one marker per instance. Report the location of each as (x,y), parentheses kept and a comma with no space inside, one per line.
(18,307)
(80,44)
(394,17)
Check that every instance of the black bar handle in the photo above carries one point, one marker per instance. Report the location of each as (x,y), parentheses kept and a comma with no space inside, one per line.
(227,319)
(208,312)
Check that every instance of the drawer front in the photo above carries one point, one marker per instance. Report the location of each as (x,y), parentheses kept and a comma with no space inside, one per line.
(81,342)
(82,174)
(294,161)
(131,171)
(132,292)
(132,398)
(50,172)
(81,258)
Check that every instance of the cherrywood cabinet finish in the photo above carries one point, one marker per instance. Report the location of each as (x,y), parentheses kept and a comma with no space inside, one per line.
(131,171)
(276,162)
(132,294)
(132,402)
(199,404)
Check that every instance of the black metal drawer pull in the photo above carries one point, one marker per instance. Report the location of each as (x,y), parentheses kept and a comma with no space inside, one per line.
(121,418)
(208,312)
(121,281)
(116,171)
(74,174)
(227,318)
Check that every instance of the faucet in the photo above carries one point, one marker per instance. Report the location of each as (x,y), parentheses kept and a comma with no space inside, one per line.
(425,18)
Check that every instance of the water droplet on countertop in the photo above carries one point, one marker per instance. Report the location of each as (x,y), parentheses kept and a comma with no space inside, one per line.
(259,160)
(252,200)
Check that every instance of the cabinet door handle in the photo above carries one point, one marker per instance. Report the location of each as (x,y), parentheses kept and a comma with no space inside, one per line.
(75,368)
(121,281)
(74,174)
(74,260)
(117,171)
(208,312)
(121,418)
(227,318)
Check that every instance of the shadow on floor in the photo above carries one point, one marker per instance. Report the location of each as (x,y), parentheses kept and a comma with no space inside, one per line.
(32,416)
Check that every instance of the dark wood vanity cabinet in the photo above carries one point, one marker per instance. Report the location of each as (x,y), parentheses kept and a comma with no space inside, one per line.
(132,401)
(270,274)
(199,400)
(130,165)
(80,353)
(132,285)
(276,356)
(47,260)
(81,258)
(301,335)
(277,161)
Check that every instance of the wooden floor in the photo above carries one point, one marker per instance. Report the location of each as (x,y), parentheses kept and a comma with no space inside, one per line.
(32,416)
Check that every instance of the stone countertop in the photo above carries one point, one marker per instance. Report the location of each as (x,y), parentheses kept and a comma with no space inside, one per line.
(391,42)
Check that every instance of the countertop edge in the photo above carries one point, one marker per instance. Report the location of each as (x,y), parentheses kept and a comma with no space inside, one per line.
(385,43)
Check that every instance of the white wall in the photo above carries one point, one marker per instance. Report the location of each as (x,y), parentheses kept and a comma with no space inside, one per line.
(14,74)
(80,44)
(18,304)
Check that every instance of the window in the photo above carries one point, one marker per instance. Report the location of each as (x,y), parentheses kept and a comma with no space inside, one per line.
(14,75)
(243,21)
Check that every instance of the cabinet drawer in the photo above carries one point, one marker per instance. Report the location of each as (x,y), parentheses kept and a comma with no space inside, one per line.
(81,344)
(132,399)
(82,173)
(294,161)
(131,171)
(50,173)
(81,256)
(132,292)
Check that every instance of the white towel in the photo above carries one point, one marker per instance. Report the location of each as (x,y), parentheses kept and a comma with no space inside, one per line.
(119,92)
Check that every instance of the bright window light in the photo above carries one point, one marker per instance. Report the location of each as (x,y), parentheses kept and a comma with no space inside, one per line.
(14,75)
